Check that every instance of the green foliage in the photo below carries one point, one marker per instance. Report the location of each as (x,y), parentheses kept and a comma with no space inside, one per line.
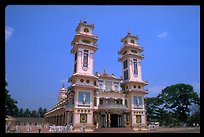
(179,98)
(10,103)
(41,112)
(173,106)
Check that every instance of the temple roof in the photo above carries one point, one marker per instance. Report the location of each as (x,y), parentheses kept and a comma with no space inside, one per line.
(104,75)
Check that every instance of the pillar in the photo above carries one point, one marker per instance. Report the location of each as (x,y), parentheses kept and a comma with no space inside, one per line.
(109,120)
(125,122)
(106,120)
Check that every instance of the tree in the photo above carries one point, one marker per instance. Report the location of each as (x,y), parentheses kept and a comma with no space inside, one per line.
(151,108)
(44,111)
(27,113)
(156,113)
(10,103)
(21,113)
(195,115)
(40,112)
(178,99)
(34,113)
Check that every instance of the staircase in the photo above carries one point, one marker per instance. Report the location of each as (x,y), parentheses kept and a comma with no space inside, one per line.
(114,130)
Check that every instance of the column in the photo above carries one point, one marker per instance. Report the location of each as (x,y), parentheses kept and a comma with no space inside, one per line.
(97,101)
(57,120)
(98,119)
(106,120)
(123,102)
(125,124)
(109,120)
(118,120)
(68,122)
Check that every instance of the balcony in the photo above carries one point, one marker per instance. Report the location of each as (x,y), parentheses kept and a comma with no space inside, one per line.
(115,106)
(138,106)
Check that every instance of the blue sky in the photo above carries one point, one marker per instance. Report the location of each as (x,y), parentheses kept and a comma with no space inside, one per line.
(38,45)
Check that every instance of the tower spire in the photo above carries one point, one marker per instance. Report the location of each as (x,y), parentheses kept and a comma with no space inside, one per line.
(128,29)
(104,73)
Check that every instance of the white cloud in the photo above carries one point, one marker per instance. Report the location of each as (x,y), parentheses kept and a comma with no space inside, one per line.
(8,32)
(163,35)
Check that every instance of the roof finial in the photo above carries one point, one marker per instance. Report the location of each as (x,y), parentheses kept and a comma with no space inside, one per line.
(128,29)
(85,21)
(104,73)
(63,85)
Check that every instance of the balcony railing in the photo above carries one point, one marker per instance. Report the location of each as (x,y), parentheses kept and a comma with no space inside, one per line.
(91,45)
(112,106)
(138,106)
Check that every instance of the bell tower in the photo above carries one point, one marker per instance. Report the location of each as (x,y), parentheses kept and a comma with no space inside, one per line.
(83,80)
(84,46)
(62,94)
(132,80)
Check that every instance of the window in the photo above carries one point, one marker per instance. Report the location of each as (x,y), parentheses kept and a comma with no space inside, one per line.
(132,41)
(86,30)
(116,87)
(75,65)
(85,61)
(125,64)
(84,98)
(100,86)
(81,80)
(87,81)
(75,58)
(101,101)
(86,41)
(108,85)
(126,103)
(134,51)
(95,101)
(137,101)
(135,67)
(125,74)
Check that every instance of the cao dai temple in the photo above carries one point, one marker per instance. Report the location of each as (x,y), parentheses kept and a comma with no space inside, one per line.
(101,100)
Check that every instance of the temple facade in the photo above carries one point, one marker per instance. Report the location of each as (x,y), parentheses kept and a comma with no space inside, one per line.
(101,100)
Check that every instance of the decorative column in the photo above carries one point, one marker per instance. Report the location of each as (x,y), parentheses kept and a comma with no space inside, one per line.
(106,118)
(98,119)
(109,120)
(125,122)
(97,102)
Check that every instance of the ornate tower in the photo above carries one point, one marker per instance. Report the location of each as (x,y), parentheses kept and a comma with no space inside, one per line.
(62,94)
(132,80)
(83,80)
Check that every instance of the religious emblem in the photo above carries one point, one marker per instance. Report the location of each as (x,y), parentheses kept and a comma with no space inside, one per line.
(138,119)
(83,118)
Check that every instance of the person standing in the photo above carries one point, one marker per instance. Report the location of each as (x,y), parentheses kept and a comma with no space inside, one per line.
(39,128)
(27,128)
(30,128)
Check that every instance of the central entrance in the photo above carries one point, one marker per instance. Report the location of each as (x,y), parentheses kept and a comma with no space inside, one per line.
(114,120)
(111,120)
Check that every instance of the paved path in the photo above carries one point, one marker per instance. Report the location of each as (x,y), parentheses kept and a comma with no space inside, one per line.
(123,130)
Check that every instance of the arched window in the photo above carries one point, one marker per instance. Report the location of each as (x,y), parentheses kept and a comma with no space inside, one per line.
(135,70)
(85,60)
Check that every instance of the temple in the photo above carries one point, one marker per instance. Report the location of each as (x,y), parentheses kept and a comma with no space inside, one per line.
(102,100)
